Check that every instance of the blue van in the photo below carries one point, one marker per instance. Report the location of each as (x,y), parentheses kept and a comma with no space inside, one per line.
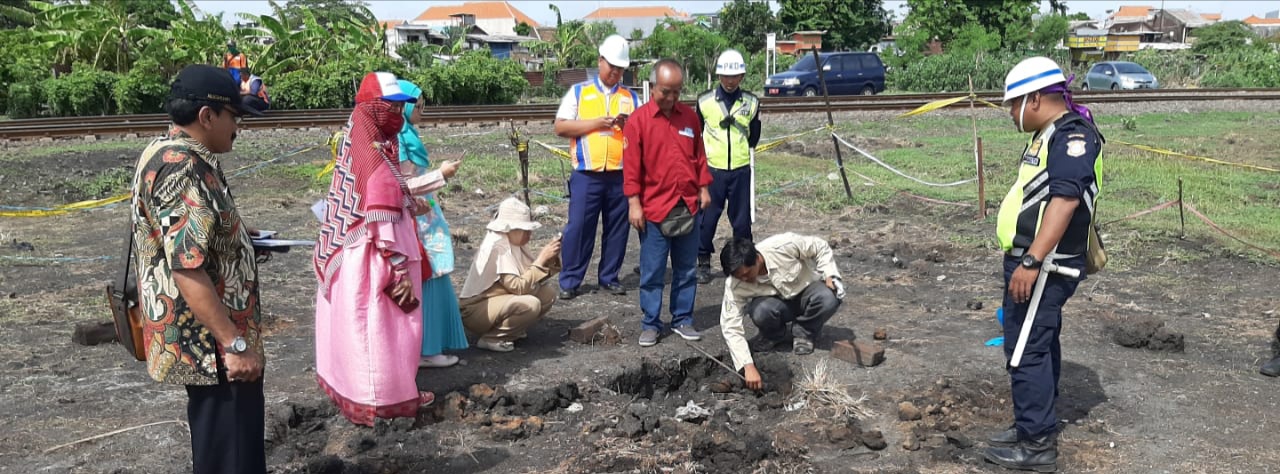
(846,74)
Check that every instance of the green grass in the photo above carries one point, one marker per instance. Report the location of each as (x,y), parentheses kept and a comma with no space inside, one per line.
(939,149)
(104,184)
(64,148)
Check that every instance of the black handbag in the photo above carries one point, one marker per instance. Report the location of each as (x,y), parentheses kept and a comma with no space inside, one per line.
(679,221)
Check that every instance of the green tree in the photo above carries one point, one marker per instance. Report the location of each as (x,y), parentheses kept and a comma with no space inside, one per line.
(328,12)
(695,47)
(1078,16)
(523,29)
(569,47)
(17,14)
(1049,31)
(944,19)
(1224,37)
(850,24)
(745,23)
(417,55)
(150,13)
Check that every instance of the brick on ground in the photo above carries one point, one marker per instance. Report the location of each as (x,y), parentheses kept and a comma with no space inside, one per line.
(586,332)
(857,352)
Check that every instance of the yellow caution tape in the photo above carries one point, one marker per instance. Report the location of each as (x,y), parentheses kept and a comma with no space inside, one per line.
(932,106)
(554,150)
(66,208)
(1193,157)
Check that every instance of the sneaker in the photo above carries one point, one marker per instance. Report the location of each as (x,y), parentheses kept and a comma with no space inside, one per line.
(802,346)
(496,346)
(687,332)
(614,288)
(764,344)
(648,337)
(569,294)
(437,361)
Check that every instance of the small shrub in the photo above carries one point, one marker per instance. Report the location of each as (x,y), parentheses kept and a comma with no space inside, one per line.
(143,90)
(476,77)
(86,91)
(24,100)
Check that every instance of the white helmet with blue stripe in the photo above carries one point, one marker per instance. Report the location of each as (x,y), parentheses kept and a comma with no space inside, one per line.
(1030,75)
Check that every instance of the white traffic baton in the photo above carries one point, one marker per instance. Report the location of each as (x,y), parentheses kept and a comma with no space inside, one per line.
(752,165)
(1045,269)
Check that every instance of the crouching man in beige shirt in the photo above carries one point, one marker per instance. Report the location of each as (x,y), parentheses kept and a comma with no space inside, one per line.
(784,279)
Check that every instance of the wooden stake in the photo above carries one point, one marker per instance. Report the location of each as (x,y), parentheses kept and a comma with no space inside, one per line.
(1182,217)
(522,151)
(977,151)
(817,60)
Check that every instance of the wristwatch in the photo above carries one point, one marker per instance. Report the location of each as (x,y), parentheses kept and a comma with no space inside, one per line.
(237,346)
(1029,261)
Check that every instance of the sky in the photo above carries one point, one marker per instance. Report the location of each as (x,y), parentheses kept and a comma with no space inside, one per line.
(404,10)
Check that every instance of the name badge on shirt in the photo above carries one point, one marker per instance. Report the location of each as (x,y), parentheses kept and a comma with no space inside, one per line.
(688,132)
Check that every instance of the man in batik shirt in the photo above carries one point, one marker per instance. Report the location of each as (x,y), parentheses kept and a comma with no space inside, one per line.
(197,278)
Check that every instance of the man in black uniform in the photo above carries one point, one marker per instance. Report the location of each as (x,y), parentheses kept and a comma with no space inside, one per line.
(1045,218)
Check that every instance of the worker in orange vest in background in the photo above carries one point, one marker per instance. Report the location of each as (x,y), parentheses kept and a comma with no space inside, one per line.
(234,60)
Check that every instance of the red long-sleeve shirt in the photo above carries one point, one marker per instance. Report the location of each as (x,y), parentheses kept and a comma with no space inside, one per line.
(663,159)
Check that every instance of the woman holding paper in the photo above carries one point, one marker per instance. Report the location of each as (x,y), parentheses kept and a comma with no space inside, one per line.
(441,322)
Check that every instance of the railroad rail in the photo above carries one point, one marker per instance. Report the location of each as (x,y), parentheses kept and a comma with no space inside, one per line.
(288,119)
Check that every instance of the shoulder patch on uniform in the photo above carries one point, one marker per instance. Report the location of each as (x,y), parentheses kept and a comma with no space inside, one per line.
(1076,148)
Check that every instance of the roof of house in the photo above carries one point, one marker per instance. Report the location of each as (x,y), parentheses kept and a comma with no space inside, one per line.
(481,10)
(1211,16)
(500,38)
(1131,12)
(1187,17)
(1253,20)
(388,24)
(545,33)
(610,13)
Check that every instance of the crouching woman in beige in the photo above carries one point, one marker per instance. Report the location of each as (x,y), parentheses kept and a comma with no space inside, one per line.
(507,289)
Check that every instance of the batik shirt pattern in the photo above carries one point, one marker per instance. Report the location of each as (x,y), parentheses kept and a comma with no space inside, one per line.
(184,217)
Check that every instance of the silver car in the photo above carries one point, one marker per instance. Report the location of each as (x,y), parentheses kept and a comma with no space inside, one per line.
(1116,75)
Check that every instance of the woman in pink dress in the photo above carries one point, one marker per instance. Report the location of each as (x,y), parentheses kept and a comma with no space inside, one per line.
(369,263)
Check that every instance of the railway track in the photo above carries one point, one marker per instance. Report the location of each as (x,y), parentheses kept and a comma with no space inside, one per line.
(286,119)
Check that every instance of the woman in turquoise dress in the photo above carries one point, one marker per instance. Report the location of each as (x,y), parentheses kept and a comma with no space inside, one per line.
(442,328)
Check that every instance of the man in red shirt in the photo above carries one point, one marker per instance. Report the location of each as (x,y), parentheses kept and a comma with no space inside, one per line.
(665,179)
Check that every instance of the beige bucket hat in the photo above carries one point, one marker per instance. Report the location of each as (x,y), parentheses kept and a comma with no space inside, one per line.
(512,214)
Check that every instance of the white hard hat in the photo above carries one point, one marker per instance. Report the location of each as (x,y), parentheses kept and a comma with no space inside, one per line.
(615,51)
(1030,75)
(730,63)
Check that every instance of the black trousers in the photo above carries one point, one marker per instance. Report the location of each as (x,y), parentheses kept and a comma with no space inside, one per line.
(227,424)
(256,102)
(733,187)
(808,312)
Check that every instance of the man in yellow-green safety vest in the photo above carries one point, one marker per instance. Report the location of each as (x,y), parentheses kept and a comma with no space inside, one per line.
(730,130)
(1043,225)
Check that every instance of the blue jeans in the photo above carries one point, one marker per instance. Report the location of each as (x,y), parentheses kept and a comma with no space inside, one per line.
(654,249)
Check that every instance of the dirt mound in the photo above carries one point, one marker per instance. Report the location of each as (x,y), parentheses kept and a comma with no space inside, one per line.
(1144,332)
